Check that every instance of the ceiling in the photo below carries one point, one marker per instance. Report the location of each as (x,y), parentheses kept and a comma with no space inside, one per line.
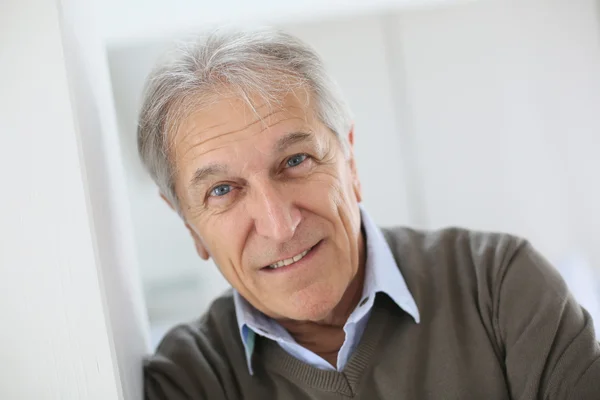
(125,22)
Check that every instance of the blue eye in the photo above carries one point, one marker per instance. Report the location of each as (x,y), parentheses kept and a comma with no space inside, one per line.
(296,160)
(220,190)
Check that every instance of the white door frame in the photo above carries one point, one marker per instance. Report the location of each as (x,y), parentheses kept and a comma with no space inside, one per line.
(109,207)
(73,323)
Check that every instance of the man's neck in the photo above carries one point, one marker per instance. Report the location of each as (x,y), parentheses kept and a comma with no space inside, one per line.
(326,337)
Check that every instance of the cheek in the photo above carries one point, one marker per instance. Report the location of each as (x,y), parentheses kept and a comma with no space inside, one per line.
(328,183)
(224,240)
(340,192)
(332,197)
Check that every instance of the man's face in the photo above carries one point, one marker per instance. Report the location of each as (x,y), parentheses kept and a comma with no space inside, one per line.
(274,202)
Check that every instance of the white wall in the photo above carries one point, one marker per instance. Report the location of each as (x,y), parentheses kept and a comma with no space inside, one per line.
(55,342)
(505,107)
(73,320)
(130,21)
(92,99)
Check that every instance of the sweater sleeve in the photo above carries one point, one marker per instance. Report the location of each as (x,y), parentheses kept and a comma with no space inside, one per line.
(185,367)
(163,380)
(549,343)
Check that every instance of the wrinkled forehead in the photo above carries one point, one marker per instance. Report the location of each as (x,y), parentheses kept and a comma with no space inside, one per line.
(234,119)
(232,130)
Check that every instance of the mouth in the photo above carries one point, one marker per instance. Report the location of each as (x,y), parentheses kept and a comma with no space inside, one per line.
(292,261)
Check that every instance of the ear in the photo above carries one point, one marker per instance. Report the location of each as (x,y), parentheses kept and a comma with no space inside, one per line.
(200,248)
(354,173)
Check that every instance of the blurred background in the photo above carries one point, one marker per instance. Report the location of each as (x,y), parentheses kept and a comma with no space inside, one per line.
(482,114)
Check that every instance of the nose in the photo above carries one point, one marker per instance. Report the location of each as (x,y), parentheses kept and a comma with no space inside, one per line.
(275,215)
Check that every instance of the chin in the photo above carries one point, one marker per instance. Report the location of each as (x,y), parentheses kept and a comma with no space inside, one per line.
(313,306)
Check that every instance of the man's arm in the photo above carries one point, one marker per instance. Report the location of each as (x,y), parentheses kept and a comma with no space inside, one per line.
(163,380)
(550,348)
(184,368)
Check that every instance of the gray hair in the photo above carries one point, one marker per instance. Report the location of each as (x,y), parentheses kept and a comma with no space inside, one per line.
(264,62)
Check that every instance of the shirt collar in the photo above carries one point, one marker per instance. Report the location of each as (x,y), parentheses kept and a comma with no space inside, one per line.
(382,275)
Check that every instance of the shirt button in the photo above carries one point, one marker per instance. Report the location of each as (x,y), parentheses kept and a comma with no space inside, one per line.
(362,303)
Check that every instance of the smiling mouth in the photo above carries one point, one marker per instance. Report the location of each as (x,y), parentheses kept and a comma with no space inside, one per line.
(289,261)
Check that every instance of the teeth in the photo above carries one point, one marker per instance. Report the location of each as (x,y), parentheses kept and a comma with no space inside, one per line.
(289,261)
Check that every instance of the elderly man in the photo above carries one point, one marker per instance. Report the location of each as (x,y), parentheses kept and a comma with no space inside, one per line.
(249,141)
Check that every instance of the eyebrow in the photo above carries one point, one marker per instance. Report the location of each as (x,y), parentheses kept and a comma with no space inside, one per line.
(291,139)
(204,173)
(209,171)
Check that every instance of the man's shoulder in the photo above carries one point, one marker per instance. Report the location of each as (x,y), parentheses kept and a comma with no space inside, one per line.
(455,271)
(194,359)
(214,330)
(443,260)
(452,244)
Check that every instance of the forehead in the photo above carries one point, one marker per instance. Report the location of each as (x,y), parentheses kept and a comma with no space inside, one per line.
(230,115)
(231,125)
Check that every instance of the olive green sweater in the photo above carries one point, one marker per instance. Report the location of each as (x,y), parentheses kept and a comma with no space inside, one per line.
(497,322)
